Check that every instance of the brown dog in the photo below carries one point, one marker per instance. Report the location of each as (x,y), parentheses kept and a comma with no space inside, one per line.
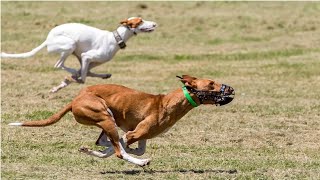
(142,116)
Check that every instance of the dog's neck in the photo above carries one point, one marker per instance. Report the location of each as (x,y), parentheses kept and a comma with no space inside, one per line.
(125,33)
(177,105)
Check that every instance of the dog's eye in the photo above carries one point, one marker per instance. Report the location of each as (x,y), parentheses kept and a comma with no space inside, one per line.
(211,83)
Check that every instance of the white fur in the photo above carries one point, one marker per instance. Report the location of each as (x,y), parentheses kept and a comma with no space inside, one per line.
(90,45)
(104,141)
(125,156)
(15,124)
(110,151)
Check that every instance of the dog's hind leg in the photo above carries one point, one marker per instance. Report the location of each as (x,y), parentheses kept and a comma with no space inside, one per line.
(89,109)
(60,64)
(63,84)
(111,131)
(101,154)
(63,45)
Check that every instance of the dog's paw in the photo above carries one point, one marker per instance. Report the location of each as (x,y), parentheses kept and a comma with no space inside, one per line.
(145,162)
(84,150)
(54,90)
(106,76)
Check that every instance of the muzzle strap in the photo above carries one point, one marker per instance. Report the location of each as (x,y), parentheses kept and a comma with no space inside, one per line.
(219,98)
(189,98)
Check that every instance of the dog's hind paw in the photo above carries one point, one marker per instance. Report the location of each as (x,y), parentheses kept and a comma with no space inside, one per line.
(54,90)
(83,149)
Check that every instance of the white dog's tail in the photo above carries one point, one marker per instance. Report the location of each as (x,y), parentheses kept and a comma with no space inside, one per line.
(46,122)
(24,55)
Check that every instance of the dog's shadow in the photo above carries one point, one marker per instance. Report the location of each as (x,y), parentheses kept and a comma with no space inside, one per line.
(151,171)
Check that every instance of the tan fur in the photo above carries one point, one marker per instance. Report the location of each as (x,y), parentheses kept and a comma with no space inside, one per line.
(133,23)
(140,115)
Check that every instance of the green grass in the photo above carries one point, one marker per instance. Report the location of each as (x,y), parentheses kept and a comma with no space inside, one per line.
(269,52)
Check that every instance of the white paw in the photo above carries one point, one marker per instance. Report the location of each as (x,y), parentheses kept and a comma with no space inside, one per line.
(144,162)
(54,90)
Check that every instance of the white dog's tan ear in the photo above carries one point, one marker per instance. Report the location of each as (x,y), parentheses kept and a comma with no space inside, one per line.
(124,22)
(132,23)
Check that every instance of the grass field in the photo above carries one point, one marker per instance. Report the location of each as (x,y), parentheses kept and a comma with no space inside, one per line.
(269,52)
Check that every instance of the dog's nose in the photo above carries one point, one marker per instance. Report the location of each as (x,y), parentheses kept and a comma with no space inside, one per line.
(230,90)
(227,95)
(154,25)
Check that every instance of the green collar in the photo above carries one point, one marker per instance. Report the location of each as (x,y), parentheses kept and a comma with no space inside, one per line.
(189,98)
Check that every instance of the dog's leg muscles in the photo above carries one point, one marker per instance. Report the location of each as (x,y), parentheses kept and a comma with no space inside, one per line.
(63,45)
(110,129)
(141,132)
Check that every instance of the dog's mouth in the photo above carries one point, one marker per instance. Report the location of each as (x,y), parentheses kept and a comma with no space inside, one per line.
(226,95)
(223,97)
(147,29)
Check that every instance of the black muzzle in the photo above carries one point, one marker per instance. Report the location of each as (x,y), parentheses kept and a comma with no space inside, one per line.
(224,96)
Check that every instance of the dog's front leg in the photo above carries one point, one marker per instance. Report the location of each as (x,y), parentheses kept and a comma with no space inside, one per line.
(110,151)
(139,151)
(110,129)
(104,141)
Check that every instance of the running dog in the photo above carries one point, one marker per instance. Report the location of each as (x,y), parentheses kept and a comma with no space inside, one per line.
(142,116)
(90,45)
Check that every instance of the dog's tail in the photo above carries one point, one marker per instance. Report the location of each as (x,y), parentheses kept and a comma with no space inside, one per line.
(25,55)
(46,122)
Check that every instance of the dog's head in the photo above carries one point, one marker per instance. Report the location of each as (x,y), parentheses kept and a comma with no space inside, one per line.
(137,25)
(208,91)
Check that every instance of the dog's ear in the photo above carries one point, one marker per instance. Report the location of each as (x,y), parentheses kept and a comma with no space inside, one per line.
(135,22)
(124,22)
(128,23)
(134,25)
(187,80)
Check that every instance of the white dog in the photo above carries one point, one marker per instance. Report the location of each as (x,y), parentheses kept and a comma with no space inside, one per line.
(90,45)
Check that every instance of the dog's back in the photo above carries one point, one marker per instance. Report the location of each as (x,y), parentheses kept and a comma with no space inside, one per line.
(129,106)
